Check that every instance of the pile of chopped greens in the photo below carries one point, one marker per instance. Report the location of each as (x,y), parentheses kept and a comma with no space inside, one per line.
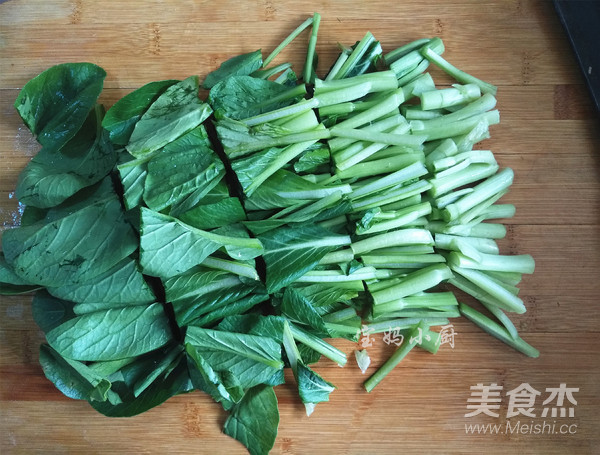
(176,244)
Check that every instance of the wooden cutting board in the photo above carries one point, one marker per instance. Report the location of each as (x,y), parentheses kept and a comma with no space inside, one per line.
(549,135)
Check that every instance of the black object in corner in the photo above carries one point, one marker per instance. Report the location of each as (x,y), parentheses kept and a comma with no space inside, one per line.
(581,20)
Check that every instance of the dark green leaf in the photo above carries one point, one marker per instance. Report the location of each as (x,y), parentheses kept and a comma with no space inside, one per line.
(291,252)
(121,285)
(221,387)
(133,178)
(232,308)
(169,247)
(175,112)
(176,381)
(251,359)
(10,282)
(228,210)
(182,173)
(308,354)
(55,103)
(50,312)
(51,177)
(240,65)
(240,97)
(112,334)
(73,248)
(201,291)
(326,298)
(143,371)
(73,378)
(284,189)
(312,388)
(312,160)
(254,420)
(298,308)
(239,252)
(124,114)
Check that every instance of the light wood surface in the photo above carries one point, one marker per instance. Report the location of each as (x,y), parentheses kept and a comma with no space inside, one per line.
(549,134)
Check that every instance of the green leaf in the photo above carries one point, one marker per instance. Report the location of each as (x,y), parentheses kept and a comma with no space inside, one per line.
(235,308)
(291,252)
(367,62)
(124,114)
(251,359)
(217,208)
(298,308)
(241,323)
(240,65)
(71,249)
(98,193)
(175,112)
(122,284)
(49,312)
(32,215)
(10,282)
(284,189)
(133,178)
(312,388)
(255,324)
(141,373)
(182,173)
(312,160)
(173,382)
(169,247)
(241,97)
(325,298)
(112,334)
(254,420)
(55,103)
(308,354)
(221,387)
(325,209)
(53,176)
(201,291)
(228,210)
(74,379)
(241,251)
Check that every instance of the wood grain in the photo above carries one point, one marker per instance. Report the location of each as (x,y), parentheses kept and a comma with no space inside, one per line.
(549,134)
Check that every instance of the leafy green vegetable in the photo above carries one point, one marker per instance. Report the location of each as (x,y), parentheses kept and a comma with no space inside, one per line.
(254,420)
(290,252)
(221,386)
(312,387)
(226,211)
(55,104)
(112,334)
(49,312)
(251,359)
(182,173)
(175,112)
(121,118)
(123,284)
(173,382)
(240,65)
(51,177)
(10,282)
(73,378)
(171,249)
(201,291)
(71,249)
(240,97)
